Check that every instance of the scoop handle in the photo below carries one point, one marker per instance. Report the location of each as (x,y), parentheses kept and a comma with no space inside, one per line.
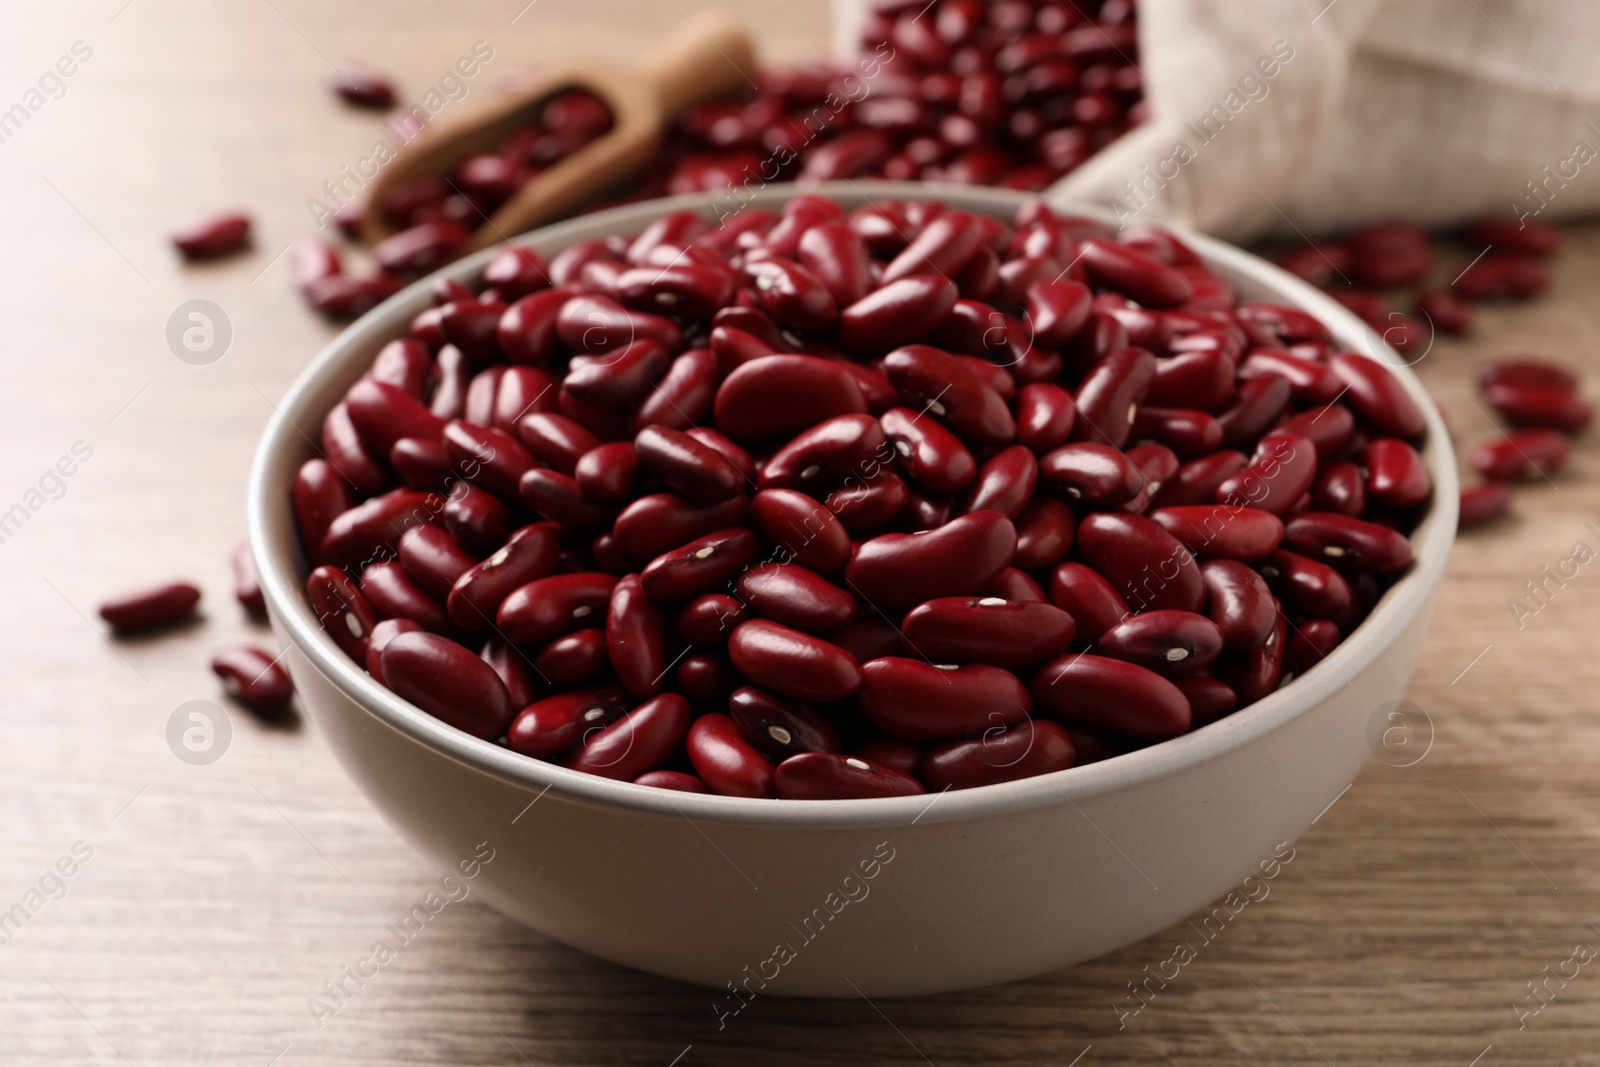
(710,57)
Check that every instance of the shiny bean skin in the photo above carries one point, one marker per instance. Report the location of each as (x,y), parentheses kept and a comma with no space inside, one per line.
(1305,585)
(778,396)
(1141,277)
(1028,749)
(1521,455)
(487,456)
(793,663)
(1109,395)
(939,383)
(1310,644)
(1257,673)
(895,314)
(868,505)
(1045,416)
(803,528)
(1347,544)
(393,595)
(573,659)
(150,607)
(1005,483)
(1196,481)
(510,665)
(869,636)
(556,440)
(960,558)
(660,522)
(696,470)
(1484,503)
(792,295)
(476,595)
(684,394)
(555,724)
(1057,310)
(1120,696)
(708,619)
(727,763)
(1148,566)
(448,682)
(1341,488)
(1538,374)
(544,609)
(1330,428)
(618,377)
(385,631)
(1396,476)
(405,364)
(253,678)
(320,494)
(1093,603)
(1377,396)
(561,499)
(640,741)
(383,413)
(1202,380)
(676,781)
(212,237)
(1171,643)
(933,456)
(341,609)
(1255,406)
(916,701)
(1045,532)
(796,597)
(992,630)
(1222,531)
(685,289)
(479,519)
(1188,433)
(343,449)
(830,776)
(1239,602)
(599,325)
(779,726)
(700,566)
(1279,474)
(608,474)
(373,528)
(1531,405)
(636,639)
(526,331)
(422,464)
(819,458)
(1310,382)
(1096,473)
(838,258)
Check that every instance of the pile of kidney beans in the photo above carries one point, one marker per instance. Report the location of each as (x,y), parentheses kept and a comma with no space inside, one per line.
(1374,271)
(1014,93)
(819,505)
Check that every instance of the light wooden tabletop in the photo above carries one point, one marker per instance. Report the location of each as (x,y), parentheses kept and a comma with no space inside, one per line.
(207,904)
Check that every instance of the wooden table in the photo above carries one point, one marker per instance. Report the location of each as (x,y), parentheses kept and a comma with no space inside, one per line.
(216,900)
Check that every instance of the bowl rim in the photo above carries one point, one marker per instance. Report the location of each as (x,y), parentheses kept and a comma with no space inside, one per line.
(270,522)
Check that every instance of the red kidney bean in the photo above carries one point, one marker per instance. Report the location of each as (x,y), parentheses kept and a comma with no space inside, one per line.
(916,701)
(1112,693)
(608,473)
(1531,405)
(829,776)
(597,325)
(1377,396)
(674,780)
(791,662)
(1347,544)
(341,609)
(1222,531)
(1094,605)
(1109,395)
(1171,643)
(320,494)
(670,229)
(1202,380)
(1257,672)
(559,498)
(393,595)
(450,395)
(1521,455)
(1255,406)
(448,682)
(1045,532)
(727,763)
(826,454)
(776,396)
(684,394)
(1483,503)
(838,258)
(342,447)
(696,470)
(868,505)
(1305,585)
(1341,488)
(895,314)
(420,249)
(1196,482)
(526,331)
(342,297)
(1097,474)
(685,289)
(490,457)
(1445,311)
(472,326)
(619,376)
(931,454)
(479,519)
(943,247)
(896,571)
(1209,698)
(940,384)
(1005,483)
(405,364)
(522,390)
(636,639)
(212,237)
(1310,382)
(576,658)
(1045,416)
(546,608)
(699,566)
(780,727)
(708,619)
(641,740)
(732,347)
(385,631)
(1148,566)
(1538,374)
(796,597)
(1034,747)
(481,391)
(374,527)
(363,87)
(1310,644)
(246,583)
(253,678)
(555,439)
(507,662)
(1281,472)
(515,271)
(1136,274)
(660,522)
(1239,602)
(990,630)
(555,724)
(1330,428)
(1522,235)
(1057,310)
(802,529)
(1188,433)
(1502,274)
(792,295)
(1396,475)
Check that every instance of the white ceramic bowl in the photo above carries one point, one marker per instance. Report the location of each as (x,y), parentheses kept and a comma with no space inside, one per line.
(837,898)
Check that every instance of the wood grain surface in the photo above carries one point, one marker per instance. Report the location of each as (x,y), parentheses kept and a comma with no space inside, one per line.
(217,900)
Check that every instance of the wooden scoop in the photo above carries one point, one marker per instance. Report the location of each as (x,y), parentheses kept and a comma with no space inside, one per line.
(708,58)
